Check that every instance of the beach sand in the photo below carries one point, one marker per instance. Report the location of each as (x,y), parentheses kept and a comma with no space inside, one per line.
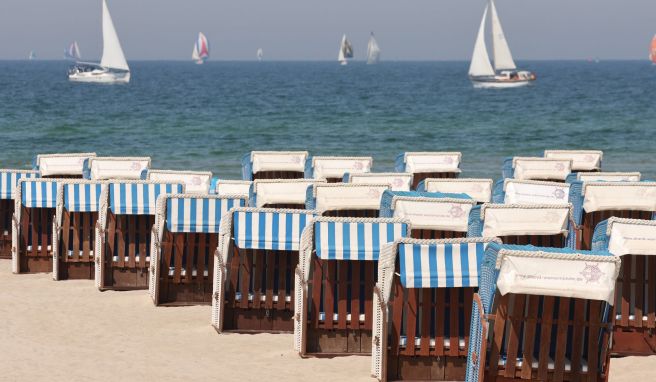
(67,330)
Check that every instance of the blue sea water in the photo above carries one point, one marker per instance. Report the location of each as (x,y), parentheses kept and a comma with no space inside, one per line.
(187,116)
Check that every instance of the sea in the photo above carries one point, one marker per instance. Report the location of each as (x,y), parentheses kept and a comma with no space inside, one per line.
(206,117)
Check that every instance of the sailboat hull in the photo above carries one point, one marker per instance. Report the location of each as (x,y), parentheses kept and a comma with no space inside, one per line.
(496,84)
(100,77)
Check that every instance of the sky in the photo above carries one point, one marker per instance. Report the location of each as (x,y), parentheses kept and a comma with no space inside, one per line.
(312,29)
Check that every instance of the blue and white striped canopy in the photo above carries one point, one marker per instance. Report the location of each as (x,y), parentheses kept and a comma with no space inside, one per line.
(39,194)
(442,265)
(198,214)
(138,198)
(342,240)
(9,179)
(82,197)
(266,229)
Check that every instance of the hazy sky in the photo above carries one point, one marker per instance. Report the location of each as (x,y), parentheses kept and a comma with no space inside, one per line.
(311,29)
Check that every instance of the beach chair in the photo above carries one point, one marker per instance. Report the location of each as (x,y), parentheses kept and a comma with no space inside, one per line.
(542,314)
(8,181)
(432,215)
(224,187)
(513,191)
(34,212)
(422,308)
(334,283)
(478,189)
(332,169)
(105,168)
(423,165)
(398,181)
(70,165)
(634,242)
(345,200)
(582,160)
(274,165)
(196,182)
(545,225)
(126,220)
(254,289)
(184,240)
(604,177)
(595,202)
(535,168)
(280,193)
(78,203)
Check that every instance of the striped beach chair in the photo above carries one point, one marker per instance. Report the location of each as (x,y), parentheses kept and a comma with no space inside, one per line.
(513,191)
(105,168)
(478,189)
(8,181)
(78,204)
(254,289)
(423,303)
(334,283)
(634,242)
(604,177)
(582,160)
(346,200)
(398,181)
(224,187)
(34,212)
(535,168)
(280,193)
(432,215)
(124,228)
(274,165)
(196,182)
(332,169)
(595,202)
(545,225)
(425,165)
(70,165)
(185,237)
(542,314)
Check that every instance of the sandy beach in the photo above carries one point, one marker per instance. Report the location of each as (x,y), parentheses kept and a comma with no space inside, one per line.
(66,331)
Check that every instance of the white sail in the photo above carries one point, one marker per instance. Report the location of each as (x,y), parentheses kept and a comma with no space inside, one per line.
(502,58)
(113,56)
(260,54)
(340,56)
(373,51)
(480,63)
(194,54)
(76,51)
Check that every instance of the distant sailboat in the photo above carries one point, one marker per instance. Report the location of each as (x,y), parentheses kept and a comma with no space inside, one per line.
(201,49)
(504,74)
(260,54)
(32,56)
(345,51)
(113,68)
(652,50)
(373,51)
(73,52)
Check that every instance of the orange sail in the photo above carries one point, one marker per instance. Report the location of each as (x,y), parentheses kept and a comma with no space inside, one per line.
(652,50)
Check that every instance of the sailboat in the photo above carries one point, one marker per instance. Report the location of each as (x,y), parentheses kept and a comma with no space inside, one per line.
(345,51)
(73,52)
(373,51)
(32,56)
(201,49)
(504,74)
(260,54)
(652,50)
(113,68)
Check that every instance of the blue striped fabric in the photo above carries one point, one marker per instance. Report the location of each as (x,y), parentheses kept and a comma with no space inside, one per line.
(9,179)
(341,240)
(79,197)
(39,194)
(138,198)
(202,215)
(270,230)
(443,265)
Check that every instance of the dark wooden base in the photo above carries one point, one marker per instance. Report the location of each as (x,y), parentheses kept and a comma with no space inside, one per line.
(420,176)
(279,175)
(335,342)
(567,377)
(404,368)
(636,341)
(6,212)
(76,271)
(125,278)
(290,206)
(32,264)
(5,246)
(195,293)
(436,234)
(258,320)
(353,213)
(334,180)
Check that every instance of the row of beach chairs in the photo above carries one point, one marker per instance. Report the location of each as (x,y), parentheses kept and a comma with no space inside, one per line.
(541,275)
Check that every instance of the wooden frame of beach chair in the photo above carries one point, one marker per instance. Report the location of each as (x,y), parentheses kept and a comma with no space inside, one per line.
(254,270)
(223,187)
(423,165)
(542,314)
(32,225)
(332,169)
(398,181)
(605,177)
(339,257)
(582,160)
(124,168)
(345,199)
(422,305)
(124,227)
(280,193)
(432,215)
(61,166)
(183,245)
(595,202)
(634,241)
(537,168)
(514,191)
(478,189)
(195,182)
(78,206)
(274,165)
(8,180)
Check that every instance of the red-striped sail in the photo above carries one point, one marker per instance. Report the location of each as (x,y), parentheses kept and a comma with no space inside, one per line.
(652,50)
